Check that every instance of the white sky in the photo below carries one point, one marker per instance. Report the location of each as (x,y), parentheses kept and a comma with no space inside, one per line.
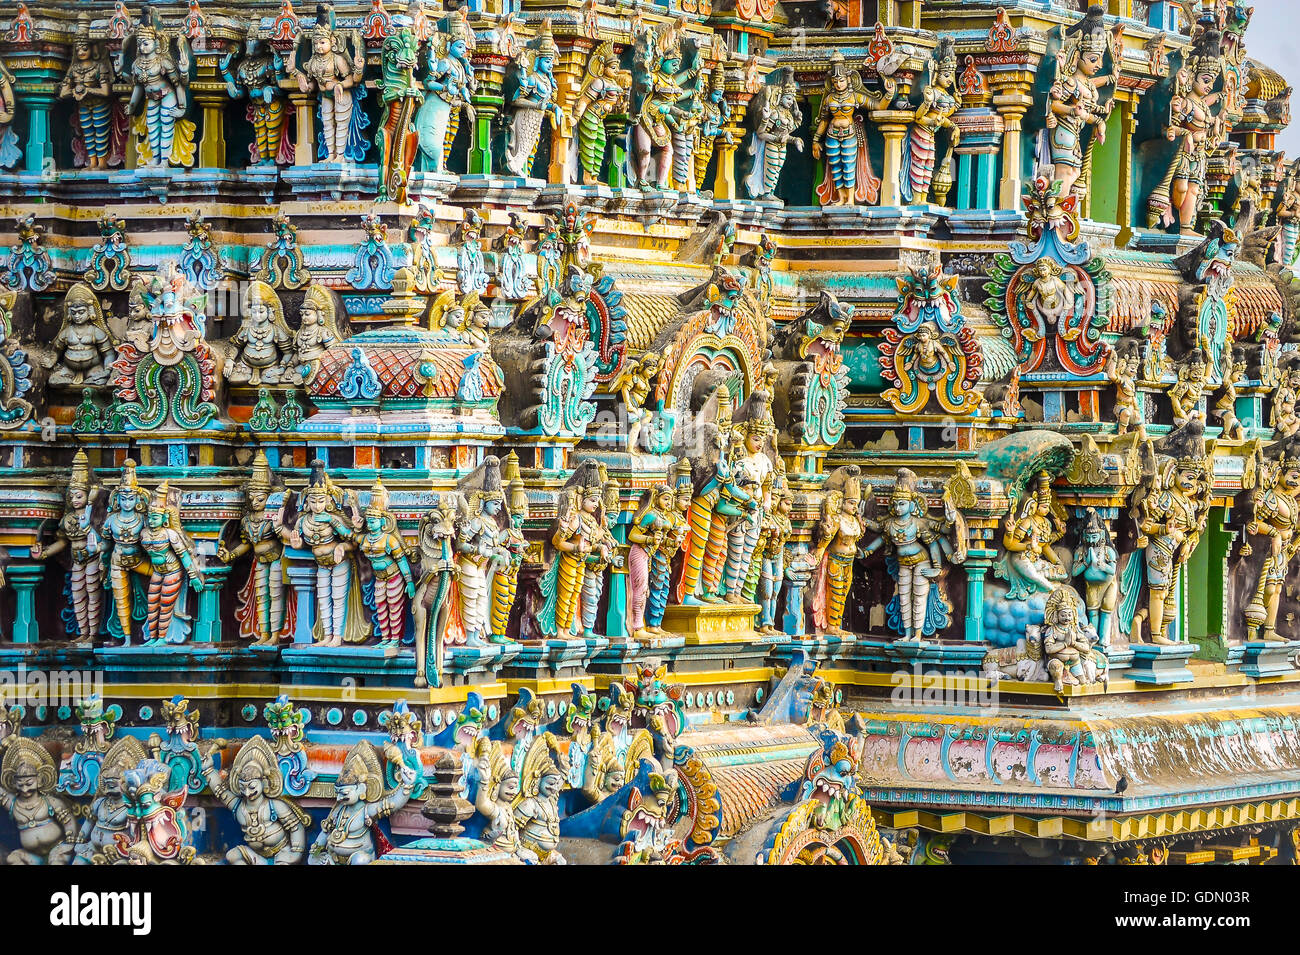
(1273,38)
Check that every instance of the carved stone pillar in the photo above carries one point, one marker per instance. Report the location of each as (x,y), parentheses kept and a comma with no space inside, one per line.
(1012,101)
(893,125)
(304,143)
(24,578)
(207,628)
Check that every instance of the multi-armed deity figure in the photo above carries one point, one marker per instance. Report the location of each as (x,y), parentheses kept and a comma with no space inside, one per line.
(657,92)
(450,79)
(274,826)
(89,84)
(256,75)
(121,541)
(359,802)
(261,606)
(78,536)
(776,117)
(1276,514)
(394,583)
(328,72)
(532,98)
(263,344)
(1074,103)
(479,550)
(1030,564)
(840,136)
(160,94)
(604,90)
(83,346)
(940,98)
(172,559)
(322,528)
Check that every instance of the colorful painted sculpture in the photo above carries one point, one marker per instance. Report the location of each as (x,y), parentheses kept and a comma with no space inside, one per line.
(579,532)
(274,826)
(394,584)
(317,330)
(261,611)
(1095,562)
(505,579)
(89,84)
(1073,103)
(940,99)
(773,559)
(1124,368)
(1276,515)
(451,80)
(536,808)
(158,830)
(931,358)
(109,813)
(840,137)
(323,529)
(836,543)
(434,599)
(46,826)
(753,460)
(1030,564)
(776,118)
(401,97)
(604,92)
(263,344)
(652,530)
(531,101)
(256,74)
(83,346)
(328,71)
(10,152)
(160,94)
(359,801)
(1070,654)
(498,790)
(78,537)
(122,529)
(172,560)
(657,92)
(479,550)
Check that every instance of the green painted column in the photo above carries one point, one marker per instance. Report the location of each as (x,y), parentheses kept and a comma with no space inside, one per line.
(615,620)
(616,136)
(480,150)
(207,629)
(976,568)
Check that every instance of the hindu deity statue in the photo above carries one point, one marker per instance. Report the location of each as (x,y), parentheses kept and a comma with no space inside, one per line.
(317,331)
(531,100)
(1095,562)
(505,579)
(1074,104)
(1284,417)
(1171,508)
(78,537)
(1276,515)
(652,528)
(261,606)
(604,92)
(46,824)
(1225,405)
(1069,652)
(776,117)
(263,344)
(634,387)
(256,75)
(578,537)
(172,558)
(322,528)
(836,537)
(537,807)
(89,84)
(478,548)
(328,72)
(1286,214)
(121,532)
(160,95)
(359,802)
(840,137)
(1124,367)
(657,96)
(83,347)
(715,116)
(602,555)
(772,556)
(1196,127)
(498,790)
(754,452)
(1030,564)
(10,152)
(401,96)
(1187,391)
(107,817)
(394,583)
(940,98)
(274,826)
(432,605)
(1050,295)
(450,78)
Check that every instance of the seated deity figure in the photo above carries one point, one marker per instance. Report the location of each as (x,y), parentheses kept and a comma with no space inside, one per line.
(83,346)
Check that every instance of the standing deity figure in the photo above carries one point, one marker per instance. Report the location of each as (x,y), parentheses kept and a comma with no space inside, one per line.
(1069,652)
(531,99)
(1030,564)
(274,826)
(77,535)
(263,344)
(1225,406)
(1286,214)
(256,75)
(261,606)
(121,540)
(1095,561)
(359,802)
(108,817)
(840,138)
(498,789)
(432,605)
(172,558)
(634,388)
(83,347)
(1073,104)
(505,581)
(653,528)
(940,98)
(322,528)
(714,119)
(46,824)
(604,92)
(753,440)
(394,583)
(602,555)
(537,807)
(657,95)
(450,78)
(835,543)
(1124,367)
(479,550)
(1187,391)
(89,84)
(332,76)
(1196,128)
(160,95)
(776,117)
(772,556)
(578,532)
(1284,416)
(1276,514)
(10,152)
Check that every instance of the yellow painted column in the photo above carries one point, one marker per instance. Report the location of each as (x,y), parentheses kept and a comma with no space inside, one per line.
(569,67)
(304,143)
(893,125)
(1012,102)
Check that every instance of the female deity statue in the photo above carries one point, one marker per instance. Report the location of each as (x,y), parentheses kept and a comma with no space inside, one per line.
(274,826)
(1286,213)
(322,528)
(317,331)
(261,606)
(1196,127)
(83,346)
(263,344)
(432,604)
(776,116)
(1030,564)
(772,556)
(330,74)
(450,79)
(1277,515)
(359,802)
(256,75)
(394,583)
(603,553)
(604,91)
(659,92)
(505,581)
(160,95)
(532,98)
(121,535)
(1073,104)
(1095,560)
(715,115)
(77,535)
(89,84)
(940,98)
(835,542)
(10,152)
(479,550)
(578,530)
(652,528)
(46,824)
(171,556)
(716,499)
(840,137)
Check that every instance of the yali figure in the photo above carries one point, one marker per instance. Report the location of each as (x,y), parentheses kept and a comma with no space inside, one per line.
(432,605)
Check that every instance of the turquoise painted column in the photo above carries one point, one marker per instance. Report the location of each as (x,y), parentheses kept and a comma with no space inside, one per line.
(36,86)
(302,577)
(985,182)
(615,620)
(208,627)
(976,568)
(963,181)
(24,579)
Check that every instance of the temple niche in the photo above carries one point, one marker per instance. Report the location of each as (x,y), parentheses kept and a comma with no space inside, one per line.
(591,414)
